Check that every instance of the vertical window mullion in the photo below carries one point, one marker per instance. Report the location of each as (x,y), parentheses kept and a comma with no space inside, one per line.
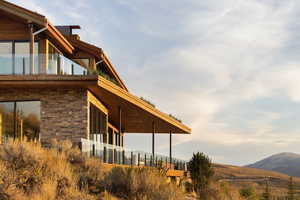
(13,58)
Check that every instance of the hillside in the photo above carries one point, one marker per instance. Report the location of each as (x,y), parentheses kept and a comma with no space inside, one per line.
(240,177)
(287,163)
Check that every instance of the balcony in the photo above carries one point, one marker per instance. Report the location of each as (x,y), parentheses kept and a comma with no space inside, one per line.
(123,156)
(20,65)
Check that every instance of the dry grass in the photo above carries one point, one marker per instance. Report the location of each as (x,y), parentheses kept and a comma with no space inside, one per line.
(28,171)
(241,177)
(141,184)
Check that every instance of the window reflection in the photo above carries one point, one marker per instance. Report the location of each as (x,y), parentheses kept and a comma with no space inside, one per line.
(98,123)
(28,120)
(20,120)
(6,120)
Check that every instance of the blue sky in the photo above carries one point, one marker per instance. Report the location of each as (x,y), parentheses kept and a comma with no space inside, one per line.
(229,69)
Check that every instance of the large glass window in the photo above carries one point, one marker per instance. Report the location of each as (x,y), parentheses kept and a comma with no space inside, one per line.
(6,55)
(6,120)
(20,120)
(98,123)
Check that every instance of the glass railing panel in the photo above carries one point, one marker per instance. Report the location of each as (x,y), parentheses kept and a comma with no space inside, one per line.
(6,62)
(19,64)
(119,155)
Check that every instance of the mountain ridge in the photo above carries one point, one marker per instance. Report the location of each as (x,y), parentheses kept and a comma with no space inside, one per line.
(285,162)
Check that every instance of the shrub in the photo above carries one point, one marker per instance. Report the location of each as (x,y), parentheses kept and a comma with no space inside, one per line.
(248,193)
(30,172)
(141,184)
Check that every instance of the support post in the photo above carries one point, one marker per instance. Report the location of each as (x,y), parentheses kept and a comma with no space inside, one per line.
(170,149)
(120,126)
(153,138)
(1,124)
(139,157)
(31,48)
(15,119)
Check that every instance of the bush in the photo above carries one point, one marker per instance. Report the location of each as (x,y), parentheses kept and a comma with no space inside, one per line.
(141,184)
(248,193)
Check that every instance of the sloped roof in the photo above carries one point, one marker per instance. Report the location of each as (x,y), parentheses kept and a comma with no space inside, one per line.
(38,19)
(98,53)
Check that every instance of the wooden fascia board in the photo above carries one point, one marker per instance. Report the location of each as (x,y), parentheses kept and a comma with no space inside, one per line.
(88,48)
(141,104)
(94,100)
(109,64)
(113,127)
(60,38)
(23,13)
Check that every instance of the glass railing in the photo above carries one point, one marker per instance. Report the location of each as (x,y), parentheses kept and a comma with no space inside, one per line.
(57,65)
(119,155)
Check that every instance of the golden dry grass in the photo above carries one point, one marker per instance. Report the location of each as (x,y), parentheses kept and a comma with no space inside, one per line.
(28,171)
(241,177)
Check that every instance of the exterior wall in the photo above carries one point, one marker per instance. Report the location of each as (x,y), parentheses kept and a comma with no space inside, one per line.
(12,30)
(63,111)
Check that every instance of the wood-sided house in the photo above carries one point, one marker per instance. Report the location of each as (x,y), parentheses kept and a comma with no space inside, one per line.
(54,85)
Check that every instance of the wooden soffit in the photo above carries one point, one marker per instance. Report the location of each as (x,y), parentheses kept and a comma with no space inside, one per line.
(137,116)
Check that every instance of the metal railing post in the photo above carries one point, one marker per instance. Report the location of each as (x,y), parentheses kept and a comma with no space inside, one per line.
(72,69)
(93,150)
(58,65)
(139,159)
(23,66)
(104,155)
(131,158)
(145,163)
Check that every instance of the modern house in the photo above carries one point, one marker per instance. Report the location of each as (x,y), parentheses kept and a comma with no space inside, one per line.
(54,85)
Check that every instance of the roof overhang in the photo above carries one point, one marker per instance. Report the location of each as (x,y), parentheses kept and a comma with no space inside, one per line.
(98,53)
(137,115)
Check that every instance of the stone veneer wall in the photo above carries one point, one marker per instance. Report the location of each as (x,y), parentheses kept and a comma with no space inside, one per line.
(64,112)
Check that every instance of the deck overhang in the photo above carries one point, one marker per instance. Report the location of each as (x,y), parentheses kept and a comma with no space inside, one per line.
(137,115)
(42,81)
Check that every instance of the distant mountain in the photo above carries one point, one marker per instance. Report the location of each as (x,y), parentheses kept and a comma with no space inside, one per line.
(287,163)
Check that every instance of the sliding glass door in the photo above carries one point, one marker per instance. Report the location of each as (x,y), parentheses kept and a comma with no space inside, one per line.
(98,124)
(20,120)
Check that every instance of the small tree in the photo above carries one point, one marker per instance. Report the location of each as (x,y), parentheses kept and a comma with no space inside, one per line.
(291,192)
(266,195)
(201,171)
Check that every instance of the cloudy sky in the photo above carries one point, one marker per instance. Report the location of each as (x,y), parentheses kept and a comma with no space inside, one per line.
(229,69)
